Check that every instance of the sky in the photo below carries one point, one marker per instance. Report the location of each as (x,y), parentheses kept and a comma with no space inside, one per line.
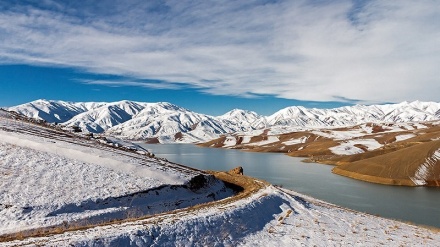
(213,56)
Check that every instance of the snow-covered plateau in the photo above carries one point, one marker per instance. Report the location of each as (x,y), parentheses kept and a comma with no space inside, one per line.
(60,189)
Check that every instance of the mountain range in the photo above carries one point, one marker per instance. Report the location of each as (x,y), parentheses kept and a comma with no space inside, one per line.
(164,122)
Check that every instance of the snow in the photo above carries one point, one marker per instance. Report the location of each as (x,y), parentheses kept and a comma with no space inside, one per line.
(54,110)
(363,130)
(404,137)
(278,130)
(246,139)
(98,158)
(230,141)
(348,147)
(296,141)
(251,132)
(340,135)
(311,223)
(367,129)
(424,169)
(139,120)
(51,178)
(48,177)
(335,133)
(41,181)
(420,126)
(270,139)
(164,120)
(270,217)
(241,117)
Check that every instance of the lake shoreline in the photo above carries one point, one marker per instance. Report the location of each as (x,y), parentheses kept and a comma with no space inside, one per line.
(407,204)
(341,172)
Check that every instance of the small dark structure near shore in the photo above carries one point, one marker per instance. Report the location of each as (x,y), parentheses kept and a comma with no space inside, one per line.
(237,170)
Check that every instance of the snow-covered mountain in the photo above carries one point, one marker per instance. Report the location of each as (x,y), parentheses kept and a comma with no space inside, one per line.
(107,115)
(165,122)
(54,110)
(351,115)
(162,121)
(242,118)
(168,122)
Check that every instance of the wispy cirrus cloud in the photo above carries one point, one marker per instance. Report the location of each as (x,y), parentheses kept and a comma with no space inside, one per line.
(124,83)
(370,51)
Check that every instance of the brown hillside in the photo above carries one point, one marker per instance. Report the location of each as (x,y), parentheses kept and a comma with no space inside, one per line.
(219,142)
(395,168)
(395,162)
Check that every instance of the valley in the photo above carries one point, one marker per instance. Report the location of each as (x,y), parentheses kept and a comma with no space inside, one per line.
(394,154)
(394,144)
(60,188)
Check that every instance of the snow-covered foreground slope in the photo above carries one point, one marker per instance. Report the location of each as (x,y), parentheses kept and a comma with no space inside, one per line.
(165,122)
(50,178)
(269,217)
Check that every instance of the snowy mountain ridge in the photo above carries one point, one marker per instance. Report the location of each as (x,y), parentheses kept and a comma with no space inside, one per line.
(166,122)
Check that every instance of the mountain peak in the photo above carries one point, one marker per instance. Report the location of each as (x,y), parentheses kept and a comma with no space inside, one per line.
(166,121)
(243,118)
(238,111)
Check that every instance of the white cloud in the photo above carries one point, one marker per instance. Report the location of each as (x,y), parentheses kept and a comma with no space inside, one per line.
(120,83)
(385,51)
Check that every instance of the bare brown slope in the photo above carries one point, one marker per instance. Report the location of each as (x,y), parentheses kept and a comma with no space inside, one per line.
(395,168)
(314,145)
(217,143)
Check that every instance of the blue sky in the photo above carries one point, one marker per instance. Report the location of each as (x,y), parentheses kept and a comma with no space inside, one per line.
(213,56)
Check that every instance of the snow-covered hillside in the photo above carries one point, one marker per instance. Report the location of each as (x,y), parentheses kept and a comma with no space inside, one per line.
(99,119)
(58,189)
(270,217)
(165,122)
(162,121)
(49,177)
(243,118)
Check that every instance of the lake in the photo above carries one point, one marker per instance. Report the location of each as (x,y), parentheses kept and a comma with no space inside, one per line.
(420,205)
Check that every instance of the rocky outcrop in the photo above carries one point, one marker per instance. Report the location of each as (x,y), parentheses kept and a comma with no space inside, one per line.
(237,170)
